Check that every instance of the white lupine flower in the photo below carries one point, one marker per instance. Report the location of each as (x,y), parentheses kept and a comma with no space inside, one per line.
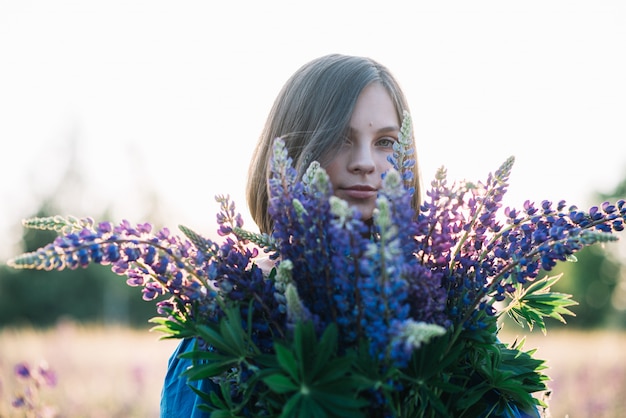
(415,333)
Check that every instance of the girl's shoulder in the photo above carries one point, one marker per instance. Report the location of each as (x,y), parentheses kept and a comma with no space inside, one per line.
(265,263)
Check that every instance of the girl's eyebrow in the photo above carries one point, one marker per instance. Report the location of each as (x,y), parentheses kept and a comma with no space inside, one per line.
(384,130)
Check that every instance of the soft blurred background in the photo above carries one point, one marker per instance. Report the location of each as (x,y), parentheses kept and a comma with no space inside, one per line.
(145,110)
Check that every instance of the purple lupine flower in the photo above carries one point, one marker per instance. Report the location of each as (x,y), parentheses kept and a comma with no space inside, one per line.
(22,370)
(496,255)
(47,375)
(301,225)
(18,402)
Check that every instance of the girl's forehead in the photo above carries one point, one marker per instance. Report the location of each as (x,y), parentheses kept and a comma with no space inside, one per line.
(374,108)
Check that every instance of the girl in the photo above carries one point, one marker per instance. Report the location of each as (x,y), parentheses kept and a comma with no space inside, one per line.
(344,112)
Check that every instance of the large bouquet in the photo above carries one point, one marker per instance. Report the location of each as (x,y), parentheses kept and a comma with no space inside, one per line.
(395,316)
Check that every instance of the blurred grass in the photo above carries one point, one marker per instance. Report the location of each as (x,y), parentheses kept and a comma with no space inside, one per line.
(101,371)
(587,370)
(118,372)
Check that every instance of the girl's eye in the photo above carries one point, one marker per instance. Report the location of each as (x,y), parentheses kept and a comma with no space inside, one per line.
(386,142)
(346,141)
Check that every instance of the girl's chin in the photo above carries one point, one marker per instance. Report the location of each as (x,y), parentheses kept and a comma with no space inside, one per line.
(364,206)
(366,212)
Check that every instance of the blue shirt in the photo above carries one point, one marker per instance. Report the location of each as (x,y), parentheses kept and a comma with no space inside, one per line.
(178,400)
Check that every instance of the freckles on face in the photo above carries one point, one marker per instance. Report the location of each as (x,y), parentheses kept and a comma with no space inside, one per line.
(355,170)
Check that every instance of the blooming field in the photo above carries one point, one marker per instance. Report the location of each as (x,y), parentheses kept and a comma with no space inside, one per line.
(117,372)
(100,372)
(587,371)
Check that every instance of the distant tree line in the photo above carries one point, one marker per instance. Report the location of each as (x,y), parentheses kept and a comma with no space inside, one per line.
(597,280)
(94,294)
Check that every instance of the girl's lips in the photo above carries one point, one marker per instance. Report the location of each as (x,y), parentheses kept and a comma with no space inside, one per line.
(359,192)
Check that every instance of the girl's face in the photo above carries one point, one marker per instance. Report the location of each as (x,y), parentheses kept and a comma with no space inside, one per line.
(355,170)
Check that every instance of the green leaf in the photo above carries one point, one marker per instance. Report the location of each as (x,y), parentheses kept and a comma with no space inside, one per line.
(326,348)
(473,396)
(531,305)
(222,414)
(214,338)
(333,370)
(292,407)
(510,372)
(232,332)
(422,367)
(303,337)
(206,370)
(280,383)
(313,409)
(171,328)
(287,361)
(216,401)
(333,399)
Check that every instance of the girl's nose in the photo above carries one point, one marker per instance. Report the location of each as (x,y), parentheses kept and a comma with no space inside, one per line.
(361,160)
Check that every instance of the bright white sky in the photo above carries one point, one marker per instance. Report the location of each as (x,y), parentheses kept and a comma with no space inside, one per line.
(170,96)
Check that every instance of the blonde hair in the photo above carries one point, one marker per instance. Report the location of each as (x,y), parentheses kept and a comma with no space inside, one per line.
(311,114)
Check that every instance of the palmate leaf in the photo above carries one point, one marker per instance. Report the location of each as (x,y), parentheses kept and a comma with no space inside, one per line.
(222,405)
(228,337)
(500,379)
(512,373)
(430,373)
(212,366)
(232,352)
(531,305)
(287,360)
(172,326)
(312,378)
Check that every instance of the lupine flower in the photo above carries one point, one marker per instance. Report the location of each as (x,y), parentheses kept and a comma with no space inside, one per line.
(22,370)
(410,335)
(33,379)
(404,305)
